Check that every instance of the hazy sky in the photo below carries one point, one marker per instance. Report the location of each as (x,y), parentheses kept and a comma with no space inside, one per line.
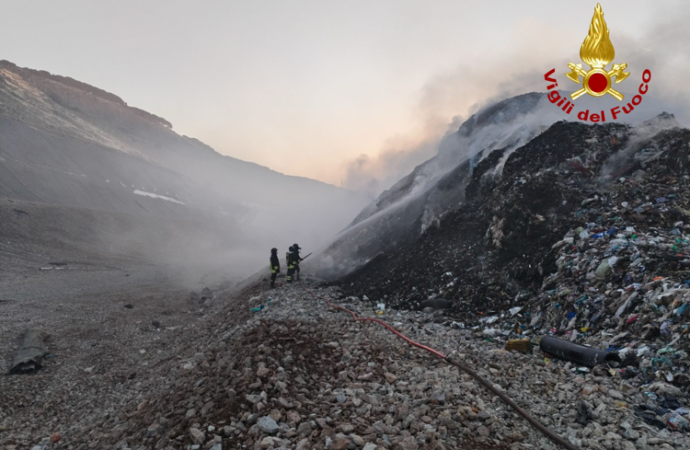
(306,87)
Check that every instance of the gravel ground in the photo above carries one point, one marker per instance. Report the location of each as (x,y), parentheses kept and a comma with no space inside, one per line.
(300,376)
(100,310)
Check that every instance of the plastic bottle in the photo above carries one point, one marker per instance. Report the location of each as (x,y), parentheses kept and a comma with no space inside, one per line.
(678,422)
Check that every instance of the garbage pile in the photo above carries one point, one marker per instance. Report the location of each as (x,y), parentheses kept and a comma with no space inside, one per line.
(603,283)
(493,252)
(585,236)
(609,294)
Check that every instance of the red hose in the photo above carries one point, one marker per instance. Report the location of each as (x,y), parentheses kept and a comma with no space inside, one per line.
(380,322)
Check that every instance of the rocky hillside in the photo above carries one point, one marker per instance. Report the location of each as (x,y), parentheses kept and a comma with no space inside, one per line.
(68,143)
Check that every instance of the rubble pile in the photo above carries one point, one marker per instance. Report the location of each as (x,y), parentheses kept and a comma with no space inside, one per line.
(297,375)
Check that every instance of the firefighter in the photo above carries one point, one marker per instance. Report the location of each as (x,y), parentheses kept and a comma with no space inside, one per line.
(295,259)
(290,265)
(275,266)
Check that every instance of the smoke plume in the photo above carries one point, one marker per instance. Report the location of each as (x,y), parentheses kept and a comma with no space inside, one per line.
(516,69)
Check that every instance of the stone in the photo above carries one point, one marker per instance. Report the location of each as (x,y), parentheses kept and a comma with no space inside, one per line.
(390,378)
(294,417)
(483,431)
(304,429)
(358,440)
(267,442)
(276,415)
(588,390)
(615,394)
(153,430)
(409,443)
(515,436)
(304,444)
(268,425)
(206,408)
(632,435)
(198,436)
(339,443)
(613,436)
(345,428)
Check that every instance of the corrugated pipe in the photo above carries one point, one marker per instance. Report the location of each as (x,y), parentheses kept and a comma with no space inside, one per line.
(576,353)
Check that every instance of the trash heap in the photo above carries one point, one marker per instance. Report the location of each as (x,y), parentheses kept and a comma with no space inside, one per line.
(603,283)
(622,283)
(584,235)
(608,294)
(493,251)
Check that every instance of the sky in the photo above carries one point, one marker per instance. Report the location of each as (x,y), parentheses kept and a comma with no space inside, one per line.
(348,92)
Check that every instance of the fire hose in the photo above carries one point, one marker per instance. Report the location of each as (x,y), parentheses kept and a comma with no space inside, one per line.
(460,365)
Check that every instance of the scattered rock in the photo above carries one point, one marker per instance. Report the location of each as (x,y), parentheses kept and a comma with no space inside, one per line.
(268,425)
(198,436)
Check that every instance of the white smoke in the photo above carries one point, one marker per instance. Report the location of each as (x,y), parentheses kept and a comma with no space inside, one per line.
(518,69)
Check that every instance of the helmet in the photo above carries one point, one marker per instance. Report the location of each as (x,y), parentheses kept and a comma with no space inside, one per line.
(274,250)
(291,248)
(297,247)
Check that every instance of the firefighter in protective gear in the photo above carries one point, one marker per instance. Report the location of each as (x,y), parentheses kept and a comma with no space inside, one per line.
(295,259)
(275,266)
(290,265)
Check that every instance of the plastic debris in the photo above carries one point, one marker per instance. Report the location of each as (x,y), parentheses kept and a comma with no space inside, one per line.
(520,345)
